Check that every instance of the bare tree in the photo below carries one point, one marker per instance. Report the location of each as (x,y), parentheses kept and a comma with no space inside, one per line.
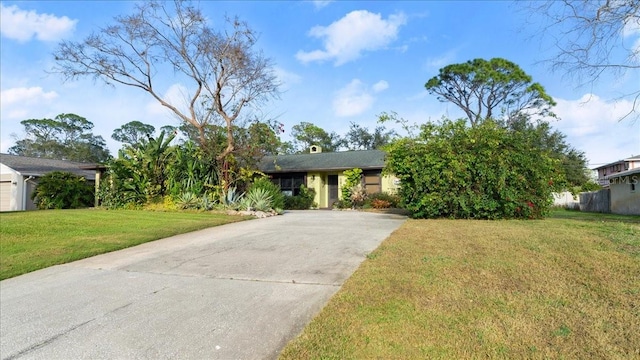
(225,74)
(593,38)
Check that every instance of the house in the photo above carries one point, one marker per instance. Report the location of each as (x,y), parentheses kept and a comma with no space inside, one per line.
(324,172)
(19,176)
(604,172)
(624,192)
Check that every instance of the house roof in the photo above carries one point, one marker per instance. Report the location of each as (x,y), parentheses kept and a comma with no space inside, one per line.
(32,166)
(623,173)
(635,158)
(326,161)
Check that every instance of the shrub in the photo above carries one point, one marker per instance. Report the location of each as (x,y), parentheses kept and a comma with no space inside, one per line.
(302,201)
(63,190)
(257,199)
(187,200)
(232,199)
(380,204)
(357,196)
(277,197)
(485,172)
(342,204)
(206,202)
(382,200)
(352,179)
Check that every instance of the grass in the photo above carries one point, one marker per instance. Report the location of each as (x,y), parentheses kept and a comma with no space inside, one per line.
(567,287)
(34,240)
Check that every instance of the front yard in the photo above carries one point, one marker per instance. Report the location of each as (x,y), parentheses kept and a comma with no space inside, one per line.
(34,240)
(564,287)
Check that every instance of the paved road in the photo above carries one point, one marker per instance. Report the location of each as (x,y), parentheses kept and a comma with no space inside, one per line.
(239,291)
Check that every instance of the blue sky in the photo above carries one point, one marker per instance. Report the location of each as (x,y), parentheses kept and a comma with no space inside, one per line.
(339,62)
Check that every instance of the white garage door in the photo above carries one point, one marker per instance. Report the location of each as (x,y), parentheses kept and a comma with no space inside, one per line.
(5,195)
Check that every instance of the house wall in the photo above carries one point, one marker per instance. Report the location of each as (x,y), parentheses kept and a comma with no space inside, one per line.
(30,188)
(6,192)
(11,192)
(390,184)
(625,195)
(608,171)
(319,182)
(16,190)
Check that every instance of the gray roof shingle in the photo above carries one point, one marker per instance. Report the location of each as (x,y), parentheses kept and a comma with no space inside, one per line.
(32,166)
(327,161)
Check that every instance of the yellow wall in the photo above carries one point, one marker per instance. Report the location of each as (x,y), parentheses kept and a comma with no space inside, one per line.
(390,184)
(318,182)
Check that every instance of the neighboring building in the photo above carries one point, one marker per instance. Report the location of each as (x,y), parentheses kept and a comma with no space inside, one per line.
(607,171)
(624,195)
(323,172)
(19,176)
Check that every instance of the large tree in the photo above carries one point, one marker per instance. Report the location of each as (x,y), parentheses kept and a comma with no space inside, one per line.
(307,134)
(360,138)
(220,66)
(133,133)
(496,88)
(573,162)
(66,137)
(593,38)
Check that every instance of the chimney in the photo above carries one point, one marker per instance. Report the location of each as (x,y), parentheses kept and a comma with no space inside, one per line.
(315,149)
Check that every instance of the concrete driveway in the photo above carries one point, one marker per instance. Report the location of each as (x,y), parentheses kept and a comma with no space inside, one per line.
(238,291)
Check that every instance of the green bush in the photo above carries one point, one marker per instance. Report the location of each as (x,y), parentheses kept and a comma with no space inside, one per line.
(342,204)
(187,200)
(63,190)
(352,178)
(483,172)
(277,197)
(303,201)
(256,199)
(375,200)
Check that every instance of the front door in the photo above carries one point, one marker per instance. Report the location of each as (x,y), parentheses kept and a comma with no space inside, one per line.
(332,182)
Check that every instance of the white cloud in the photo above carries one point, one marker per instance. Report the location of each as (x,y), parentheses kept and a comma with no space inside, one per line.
(17,104)
(592,125)
(176,95)
(319,4)
(355,98)
(631,27)
(442,60)
(14,101)
(23,25)
(286,78)
(358,31)
(380,86)
(632,30)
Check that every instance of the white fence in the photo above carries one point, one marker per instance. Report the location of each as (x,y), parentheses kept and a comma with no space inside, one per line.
(567,200)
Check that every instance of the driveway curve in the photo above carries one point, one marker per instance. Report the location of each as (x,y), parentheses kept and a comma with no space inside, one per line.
(237,291)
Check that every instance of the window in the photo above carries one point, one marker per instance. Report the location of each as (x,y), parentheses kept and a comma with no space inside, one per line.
(372,182)
(289,183)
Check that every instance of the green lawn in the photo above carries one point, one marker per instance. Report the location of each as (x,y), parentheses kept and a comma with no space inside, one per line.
(567,287)
(34,240)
